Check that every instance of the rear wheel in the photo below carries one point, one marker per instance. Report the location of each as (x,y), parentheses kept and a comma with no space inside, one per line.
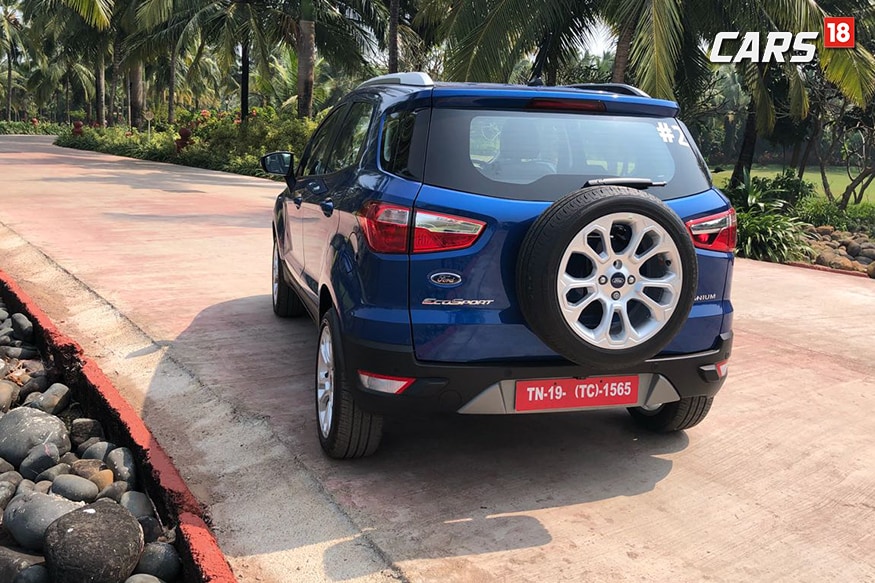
(674,416)
(286,303)
(345,429)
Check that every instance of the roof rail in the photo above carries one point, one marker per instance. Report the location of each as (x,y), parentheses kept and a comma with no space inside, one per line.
(620,88)
(415,79)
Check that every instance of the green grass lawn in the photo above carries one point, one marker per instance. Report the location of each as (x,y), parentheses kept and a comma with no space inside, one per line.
(838,178)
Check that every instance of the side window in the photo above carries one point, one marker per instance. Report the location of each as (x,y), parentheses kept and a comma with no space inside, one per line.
(396,143)
(351,137)
(315,159)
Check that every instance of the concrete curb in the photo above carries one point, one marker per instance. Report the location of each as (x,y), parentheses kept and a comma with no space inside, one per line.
(823,268)
(202,558)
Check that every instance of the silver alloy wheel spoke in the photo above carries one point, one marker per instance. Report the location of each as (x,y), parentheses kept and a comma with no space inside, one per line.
(325,382)
(637,292)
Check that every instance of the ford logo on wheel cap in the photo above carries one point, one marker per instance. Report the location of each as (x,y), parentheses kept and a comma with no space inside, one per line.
(445,279)
(617,280)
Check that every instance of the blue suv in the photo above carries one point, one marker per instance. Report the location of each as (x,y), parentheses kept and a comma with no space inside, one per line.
(500,249)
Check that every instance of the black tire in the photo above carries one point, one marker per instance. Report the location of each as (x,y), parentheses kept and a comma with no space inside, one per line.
(286,302)
(353,432)
(673,416)
(542,252)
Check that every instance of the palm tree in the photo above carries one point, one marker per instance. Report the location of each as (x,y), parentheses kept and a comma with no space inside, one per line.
(10,40)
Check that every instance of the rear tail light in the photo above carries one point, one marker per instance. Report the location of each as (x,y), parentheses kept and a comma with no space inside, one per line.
(567,104)
(437,232)
(383,383)
(715,232)
(387,229)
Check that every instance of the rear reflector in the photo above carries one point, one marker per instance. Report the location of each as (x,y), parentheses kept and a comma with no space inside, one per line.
(567,104)
(716,232)
(722,368)
(383,383)
(439,232)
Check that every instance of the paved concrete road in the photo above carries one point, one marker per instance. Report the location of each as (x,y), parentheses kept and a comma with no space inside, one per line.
(162,272)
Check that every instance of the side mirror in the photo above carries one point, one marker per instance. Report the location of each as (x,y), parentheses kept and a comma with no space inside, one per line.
(279,163)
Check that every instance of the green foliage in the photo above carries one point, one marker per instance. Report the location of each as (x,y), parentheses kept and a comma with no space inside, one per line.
(767,232)
(26,127)
(820,211)
(785,187)
(219,141)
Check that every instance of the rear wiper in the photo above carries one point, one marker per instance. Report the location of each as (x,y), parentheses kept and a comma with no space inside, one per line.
(639,183)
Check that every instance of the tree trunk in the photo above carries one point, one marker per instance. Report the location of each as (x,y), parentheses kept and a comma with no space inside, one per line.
(116,64)
(171,87)
(67,100)
(101,89)
(244,81)
(794,157)
(624,49)
(306,46)
(138,95)
(9,85)
(394,10)
(815,136)
(748,147)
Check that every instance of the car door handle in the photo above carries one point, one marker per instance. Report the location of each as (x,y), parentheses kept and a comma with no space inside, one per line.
(327,207)
(316,187)
(298,200)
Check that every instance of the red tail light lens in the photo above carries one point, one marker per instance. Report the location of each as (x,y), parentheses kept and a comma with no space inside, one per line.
(439,232)
(716,232)
(387,229)
(566,104)
(386,226)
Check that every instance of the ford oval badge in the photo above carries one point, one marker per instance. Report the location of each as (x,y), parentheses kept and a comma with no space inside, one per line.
(445,279)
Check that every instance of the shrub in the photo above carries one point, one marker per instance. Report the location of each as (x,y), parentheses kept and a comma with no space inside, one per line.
(820,211)
(784,187)
(768,232)
(26,127)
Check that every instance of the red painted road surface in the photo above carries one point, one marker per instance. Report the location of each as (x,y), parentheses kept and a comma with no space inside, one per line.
(173,269)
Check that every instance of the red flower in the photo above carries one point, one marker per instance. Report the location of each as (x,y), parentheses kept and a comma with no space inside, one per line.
(205,113)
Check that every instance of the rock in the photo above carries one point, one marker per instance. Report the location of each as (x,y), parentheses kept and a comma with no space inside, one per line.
(824,258)
(841,263)
(98,451)
(9,393)
(24,487)
(53,472)
(30,399)
(121,462)
(83,447)
(102,479)
(114,491)
(87,468)
(867,245)
(22,327)
(39,459)
(825,230)
(3,314)
(84,429)
(12,476)
(870,270)
(142,578)
(42,487)
(5,466)
(864,260)
(152,529)
(20,352)
(160,560)
(54,400)
(7,493)
(23,428)
(34,574)
(106,548)
(868,252)
(68,458)
(34,385)
(75,488)
(13,562)
(137,504)
(28,516)
(853,248)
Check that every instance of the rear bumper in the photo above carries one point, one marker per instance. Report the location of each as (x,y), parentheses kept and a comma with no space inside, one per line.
(456,387)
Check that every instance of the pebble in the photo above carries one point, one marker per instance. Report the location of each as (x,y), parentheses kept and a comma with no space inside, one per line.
(54,400)
(141,578)
(20,353)
(102,479)
(152,529)
(39,458)
(23,428)
(5,466)
(83,447)
(160,560)
(34,574)
(24,487)
(137,504)
(11,476)
(69,458)
(53,472)
(114,491)
(75,488)
(22,327)
(14,561)
(28,516)
(31,397)
(9,393)
(84,429)
(87,468)
(98,451)
(42,487)
(107,545)
(7,493)
(121,462)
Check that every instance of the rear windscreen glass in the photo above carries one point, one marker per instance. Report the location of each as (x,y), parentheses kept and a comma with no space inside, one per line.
(536,155)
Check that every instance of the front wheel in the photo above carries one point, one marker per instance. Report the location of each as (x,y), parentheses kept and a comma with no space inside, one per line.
(345,429)
(669,417)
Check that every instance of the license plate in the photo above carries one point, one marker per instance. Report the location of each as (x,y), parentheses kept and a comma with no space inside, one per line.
(545,394)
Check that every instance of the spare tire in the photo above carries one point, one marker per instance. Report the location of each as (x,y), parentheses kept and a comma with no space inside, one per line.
(607,276)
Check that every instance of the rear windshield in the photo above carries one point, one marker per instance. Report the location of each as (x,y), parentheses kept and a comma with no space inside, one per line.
(545,155)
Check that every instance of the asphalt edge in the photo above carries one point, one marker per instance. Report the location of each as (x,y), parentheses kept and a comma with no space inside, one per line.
(97,392)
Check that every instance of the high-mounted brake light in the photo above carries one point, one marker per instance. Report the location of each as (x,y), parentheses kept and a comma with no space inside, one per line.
(384,383)
(716,232)
(567,104)
(387,229)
